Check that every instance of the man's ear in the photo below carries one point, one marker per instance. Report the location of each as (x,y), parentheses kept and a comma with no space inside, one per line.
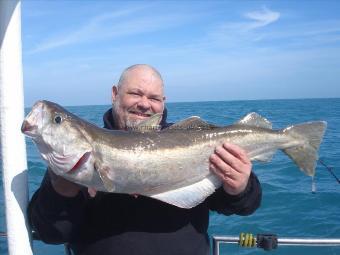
(114,93)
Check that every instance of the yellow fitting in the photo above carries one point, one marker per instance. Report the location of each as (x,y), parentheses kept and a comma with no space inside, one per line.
(247,240)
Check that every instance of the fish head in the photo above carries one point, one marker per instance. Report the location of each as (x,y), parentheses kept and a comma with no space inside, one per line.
(60,137)
(33,123)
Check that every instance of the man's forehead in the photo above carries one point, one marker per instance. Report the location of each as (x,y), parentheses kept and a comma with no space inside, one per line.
(143,76)
(143,83)
(150,89)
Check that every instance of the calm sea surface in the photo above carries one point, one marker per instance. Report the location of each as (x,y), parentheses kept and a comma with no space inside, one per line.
(289,208)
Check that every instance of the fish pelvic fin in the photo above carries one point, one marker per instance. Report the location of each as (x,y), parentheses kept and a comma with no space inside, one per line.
(192,195)
(306,155)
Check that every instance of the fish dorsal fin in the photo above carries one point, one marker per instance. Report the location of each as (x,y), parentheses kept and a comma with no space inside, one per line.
(192,195)
(193,122)
(255,120)
(148,125)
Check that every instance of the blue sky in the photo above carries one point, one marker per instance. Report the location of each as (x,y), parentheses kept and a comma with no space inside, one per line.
(74,51)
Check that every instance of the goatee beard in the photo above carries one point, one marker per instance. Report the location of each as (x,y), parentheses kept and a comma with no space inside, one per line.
(127,124)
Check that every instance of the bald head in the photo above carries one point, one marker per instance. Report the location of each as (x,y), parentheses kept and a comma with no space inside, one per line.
(138,95)
(140,70)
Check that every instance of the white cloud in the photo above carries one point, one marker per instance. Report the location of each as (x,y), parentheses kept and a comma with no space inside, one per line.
(261,18)
(247,30)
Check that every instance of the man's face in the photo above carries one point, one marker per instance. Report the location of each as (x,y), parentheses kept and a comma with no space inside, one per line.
(138,98)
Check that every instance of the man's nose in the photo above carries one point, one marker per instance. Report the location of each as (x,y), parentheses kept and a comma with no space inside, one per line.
(144,103)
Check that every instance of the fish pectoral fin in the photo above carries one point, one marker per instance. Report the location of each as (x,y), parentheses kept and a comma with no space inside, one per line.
(255,120)
(193,122)
(149,125)
(191,195)
(105,176)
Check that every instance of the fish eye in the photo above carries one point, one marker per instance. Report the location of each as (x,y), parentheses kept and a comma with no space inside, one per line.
(58,119)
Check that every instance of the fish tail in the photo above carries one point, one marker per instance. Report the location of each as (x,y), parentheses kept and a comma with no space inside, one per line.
(305,155)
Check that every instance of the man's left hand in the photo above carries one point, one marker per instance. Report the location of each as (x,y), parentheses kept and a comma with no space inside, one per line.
(232,165)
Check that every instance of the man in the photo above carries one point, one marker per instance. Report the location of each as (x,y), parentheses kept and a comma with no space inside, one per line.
(106,223)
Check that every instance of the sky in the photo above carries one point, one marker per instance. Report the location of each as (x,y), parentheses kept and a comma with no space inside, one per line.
(74,51)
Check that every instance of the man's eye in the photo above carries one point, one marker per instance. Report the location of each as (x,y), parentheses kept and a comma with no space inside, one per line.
(58,119)
(155,99)
(134,93)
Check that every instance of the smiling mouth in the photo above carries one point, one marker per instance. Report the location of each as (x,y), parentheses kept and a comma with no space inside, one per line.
(140,114)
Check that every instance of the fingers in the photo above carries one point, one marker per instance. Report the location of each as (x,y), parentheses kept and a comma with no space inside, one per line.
(92,192)
(237,152)
(221,168)
(232,165)
(230,156)
(225,175)
(231,184)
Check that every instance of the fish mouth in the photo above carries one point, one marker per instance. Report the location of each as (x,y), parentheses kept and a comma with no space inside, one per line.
(28,129)
(82,160)
(33,121)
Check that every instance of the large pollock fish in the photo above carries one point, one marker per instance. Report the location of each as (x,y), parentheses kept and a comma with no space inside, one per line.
(170,165)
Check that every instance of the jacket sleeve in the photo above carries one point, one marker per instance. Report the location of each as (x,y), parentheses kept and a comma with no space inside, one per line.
(54,218)
(242,204)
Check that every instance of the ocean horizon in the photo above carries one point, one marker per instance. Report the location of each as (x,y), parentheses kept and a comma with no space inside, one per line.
(199,101)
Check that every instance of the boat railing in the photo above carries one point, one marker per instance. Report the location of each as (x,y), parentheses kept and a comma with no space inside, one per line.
(262,241)
(269,241)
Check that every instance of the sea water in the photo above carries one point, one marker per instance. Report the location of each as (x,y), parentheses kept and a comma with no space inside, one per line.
(289,207)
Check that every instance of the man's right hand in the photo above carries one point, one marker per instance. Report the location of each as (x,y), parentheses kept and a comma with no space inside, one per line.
(62,186)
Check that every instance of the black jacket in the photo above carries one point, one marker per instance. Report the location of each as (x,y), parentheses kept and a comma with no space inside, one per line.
(122,224)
